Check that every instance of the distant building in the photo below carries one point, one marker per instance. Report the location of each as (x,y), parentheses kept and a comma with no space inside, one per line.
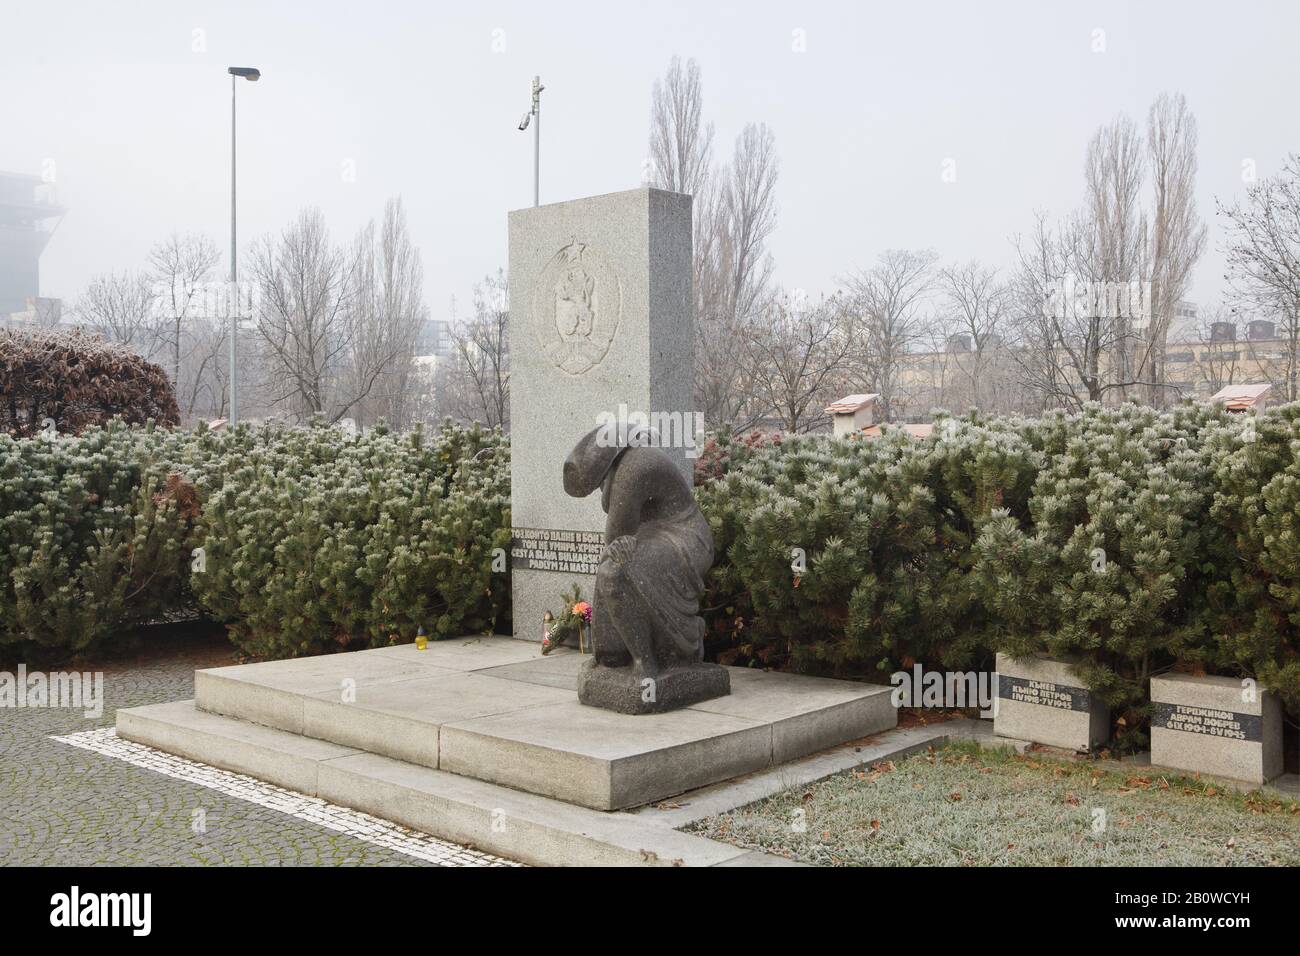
(28,217)
(854,415)
(1199,361)
(434,340)
(40,313)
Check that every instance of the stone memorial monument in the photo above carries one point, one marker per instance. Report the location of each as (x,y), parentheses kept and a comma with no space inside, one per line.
(601,330)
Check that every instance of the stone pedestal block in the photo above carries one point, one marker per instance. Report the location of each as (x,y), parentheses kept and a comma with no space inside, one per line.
(618,689)
(1216,725)
(1041,699)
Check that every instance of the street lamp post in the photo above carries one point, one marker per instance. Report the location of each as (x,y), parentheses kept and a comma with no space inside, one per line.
(535,113)
(251,74)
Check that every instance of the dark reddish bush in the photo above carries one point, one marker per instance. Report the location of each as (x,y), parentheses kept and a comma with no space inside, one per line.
(724,451)
(77,380)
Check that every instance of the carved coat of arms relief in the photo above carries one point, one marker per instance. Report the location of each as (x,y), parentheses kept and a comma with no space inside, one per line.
(577,305)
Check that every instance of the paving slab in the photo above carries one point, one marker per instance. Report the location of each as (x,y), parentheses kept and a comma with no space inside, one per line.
(469,653)
(521,826)
(271,692)
(289,760)
(601,759)
(806,713)
(555,670)
(402,719)
(493,708)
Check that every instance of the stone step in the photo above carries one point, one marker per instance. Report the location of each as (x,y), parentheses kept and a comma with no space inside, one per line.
(493,709)
(509,823)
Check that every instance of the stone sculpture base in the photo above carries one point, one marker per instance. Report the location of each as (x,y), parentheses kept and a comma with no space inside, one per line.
(616,689)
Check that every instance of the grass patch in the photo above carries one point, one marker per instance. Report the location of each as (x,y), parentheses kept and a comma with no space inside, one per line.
(963,806)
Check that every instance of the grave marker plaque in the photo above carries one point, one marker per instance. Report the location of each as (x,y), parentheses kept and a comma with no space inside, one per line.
(1216,725)
(1041,699)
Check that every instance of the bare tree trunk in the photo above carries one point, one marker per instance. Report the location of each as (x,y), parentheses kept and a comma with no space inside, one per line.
(476,377)
(1177,234)
(734,214)
(887,300)
(181,269)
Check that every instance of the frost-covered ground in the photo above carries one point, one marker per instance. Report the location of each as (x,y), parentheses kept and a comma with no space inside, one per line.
(962,806)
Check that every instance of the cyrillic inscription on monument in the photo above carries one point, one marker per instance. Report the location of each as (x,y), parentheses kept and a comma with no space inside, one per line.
(548,549)
(1208,721)
(1043,693)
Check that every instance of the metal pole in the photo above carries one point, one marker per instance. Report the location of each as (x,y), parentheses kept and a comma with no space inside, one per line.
(233,297)
(537,141)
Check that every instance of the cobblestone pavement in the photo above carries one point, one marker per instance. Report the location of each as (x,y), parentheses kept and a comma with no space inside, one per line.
(88,799)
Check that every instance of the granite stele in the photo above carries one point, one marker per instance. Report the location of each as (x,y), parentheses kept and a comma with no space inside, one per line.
(601,328)
(484,740)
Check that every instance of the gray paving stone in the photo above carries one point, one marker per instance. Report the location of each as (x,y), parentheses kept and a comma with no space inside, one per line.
(67,806)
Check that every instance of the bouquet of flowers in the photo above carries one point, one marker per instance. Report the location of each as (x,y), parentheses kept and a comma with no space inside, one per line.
(575,618)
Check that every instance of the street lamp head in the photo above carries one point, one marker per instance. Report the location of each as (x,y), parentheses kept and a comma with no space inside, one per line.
(523,123)
(250,73)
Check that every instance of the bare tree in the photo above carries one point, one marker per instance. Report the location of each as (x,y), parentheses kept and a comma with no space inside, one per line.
(1263,251)
(475,384)
(1220,355)
(734,215)
(305,316)
(1112,252)
(888,301)
(120,307)
(190,307)
(204,379)
(1177,233)
(680,144)
(748,204)
(1080,287)
(181,270)
(797,355)
(681,160)
(1063,331)
(974,309)
(387,314)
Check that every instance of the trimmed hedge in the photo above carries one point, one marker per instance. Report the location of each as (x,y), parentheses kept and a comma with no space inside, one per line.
(312,539)
(93,533)
(316,541)
(1128,541)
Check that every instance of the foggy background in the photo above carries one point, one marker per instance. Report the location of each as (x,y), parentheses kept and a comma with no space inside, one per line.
(127,109)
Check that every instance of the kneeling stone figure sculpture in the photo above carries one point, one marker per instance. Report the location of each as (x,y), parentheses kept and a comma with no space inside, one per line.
(647,635)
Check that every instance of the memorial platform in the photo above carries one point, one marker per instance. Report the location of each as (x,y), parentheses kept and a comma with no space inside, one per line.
(493,709)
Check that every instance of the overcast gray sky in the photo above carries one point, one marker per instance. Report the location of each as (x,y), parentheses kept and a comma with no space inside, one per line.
(129,107)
